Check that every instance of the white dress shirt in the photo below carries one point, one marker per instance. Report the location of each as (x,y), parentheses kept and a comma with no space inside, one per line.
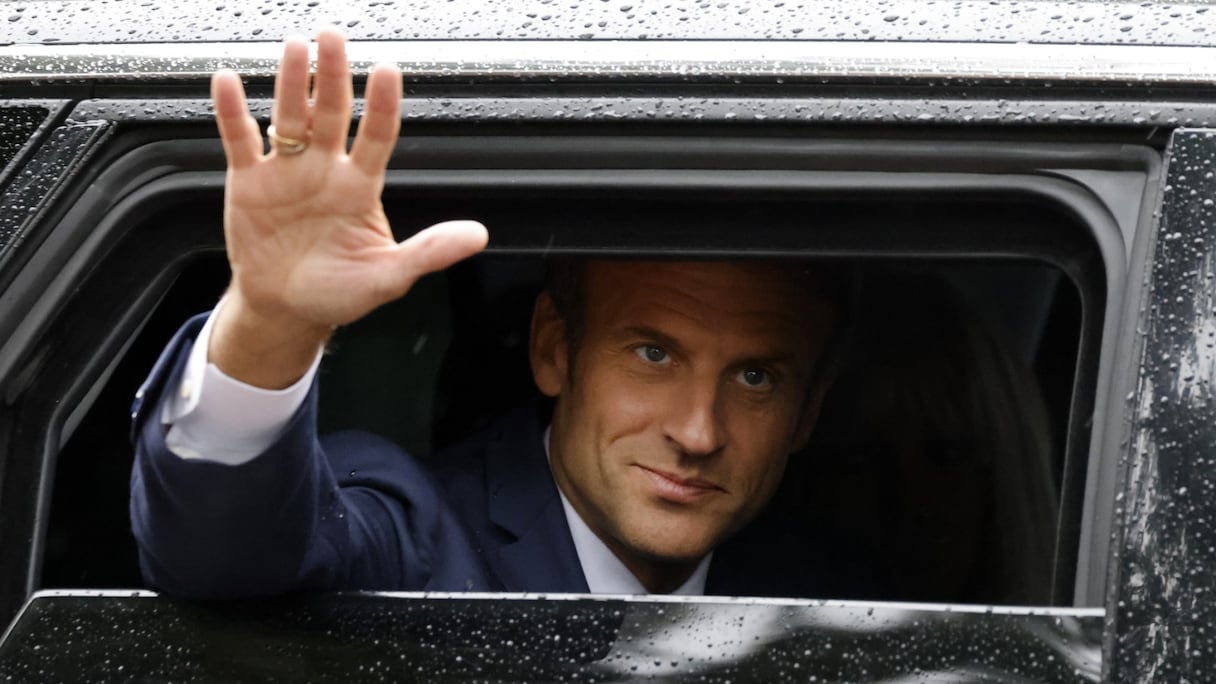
(213,417)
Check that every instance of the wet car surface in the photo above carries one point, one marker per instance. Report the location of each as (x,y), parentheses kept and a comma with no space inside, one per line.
(549,638)
(105,126)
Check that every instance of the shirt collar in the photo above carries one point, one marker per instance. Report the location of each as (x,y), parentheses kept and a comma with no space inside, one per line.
(604,572)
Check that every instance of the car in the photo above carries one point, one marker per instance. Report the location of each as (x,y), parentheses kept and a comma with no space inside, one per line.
(1019,189)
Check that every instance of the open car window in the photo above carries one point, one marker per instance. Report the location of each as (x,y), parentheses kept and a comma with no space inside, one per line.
(933,475)
(949,462)
(952,458)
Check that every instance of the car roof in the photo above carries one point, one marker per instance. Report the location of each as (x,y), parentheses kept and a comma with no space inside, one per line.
(1015,21)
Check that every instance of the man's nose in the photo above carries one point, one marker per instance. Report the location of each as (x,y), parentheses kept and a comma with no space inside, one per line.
(694,422)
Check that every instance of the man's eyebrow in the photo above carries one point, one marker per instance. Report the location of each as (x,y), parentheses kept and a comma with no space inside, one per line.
(671,344)
(770,359)
(646,332)
(780,362)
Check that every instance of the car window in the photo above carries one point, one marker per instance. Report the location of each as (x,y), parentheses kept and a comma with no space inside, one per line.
(936,473)
(933,474)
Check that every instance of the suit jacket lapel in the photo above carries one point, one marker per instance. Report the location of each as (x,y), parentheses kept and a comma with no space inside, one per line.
(538,554)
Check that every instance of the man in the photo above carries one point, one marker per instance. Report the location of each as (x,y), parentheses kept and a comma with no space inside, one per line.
(679,391)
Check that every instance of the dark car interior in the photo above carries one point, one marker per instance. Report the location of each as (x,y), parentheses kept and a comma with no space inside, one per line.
(949,457)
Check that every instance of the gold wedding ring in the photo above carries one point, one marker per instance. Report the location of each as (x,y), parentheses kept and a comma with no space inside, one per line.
(284,145)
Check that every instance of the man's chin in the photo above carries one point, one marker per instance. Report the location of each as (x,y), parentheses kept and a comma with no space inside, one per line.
(675,546)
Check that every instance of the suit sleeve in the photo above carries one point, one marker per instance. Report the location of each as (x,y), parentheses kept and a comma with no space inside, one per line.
(348,512)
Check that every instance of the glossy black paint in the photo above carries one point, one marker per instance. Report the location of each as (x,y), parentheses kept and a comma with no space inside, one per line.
(31,196)
(34,187)
(368,637)
(918,106)
(116,21)
(1165,600)
(18,123)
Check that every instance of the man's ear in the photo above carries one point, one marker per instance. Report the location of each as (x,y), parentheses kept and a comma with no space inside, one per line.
(547,347)
(809,417)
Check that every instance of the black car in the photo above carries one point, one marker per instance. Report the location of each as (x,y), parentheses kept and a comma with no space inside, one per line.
(1023,194)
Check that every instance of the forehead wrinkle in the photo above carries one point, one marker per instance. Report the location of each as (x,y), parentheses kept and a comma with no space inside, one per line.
(719,319)
(723,298)
(693,303)
(758,339)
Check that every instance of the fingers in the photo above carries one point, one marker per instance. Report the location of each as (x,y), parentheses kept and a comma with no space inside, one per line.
(327,123)
(381,121)
(239,132)
(333,94)
(290,114)
(435,249)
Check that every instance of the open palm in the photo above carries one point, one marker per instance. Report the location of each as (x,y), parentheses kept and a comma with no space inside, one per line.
(306,233)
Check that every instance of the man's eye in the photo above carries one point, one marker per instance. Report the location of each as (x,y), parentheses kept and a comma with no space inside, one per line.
(651,353)
(755,378)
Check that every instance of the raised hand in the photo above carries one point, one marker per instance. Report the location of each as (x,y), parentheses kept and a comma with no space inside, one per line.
(307,238)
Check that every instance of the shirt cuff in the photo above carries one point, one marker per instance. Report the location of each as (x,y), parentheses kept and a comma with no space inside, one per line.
(214,417)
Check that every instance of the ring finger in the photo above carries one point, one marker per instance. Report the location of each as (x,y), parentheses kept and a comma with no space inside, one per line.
(290,115)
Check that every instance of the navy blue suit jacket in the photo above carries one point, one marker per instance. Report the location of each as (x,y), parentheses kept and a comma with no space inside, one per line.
(353,511)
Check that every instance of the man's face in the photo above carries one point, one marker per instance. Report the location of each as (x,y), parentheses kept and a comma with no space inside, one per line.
(688,391)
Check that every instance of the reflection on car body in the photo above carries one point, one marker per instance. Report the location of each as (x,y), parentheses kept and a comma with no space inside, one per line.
(466,637)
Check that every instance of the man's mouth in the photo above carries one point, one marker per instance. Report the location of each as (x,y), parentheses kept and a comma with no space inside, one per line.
(678,489)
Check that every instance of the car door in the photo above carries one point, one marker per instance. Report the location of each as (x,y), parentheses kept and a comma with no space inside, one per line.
(1157,603)
(110,198)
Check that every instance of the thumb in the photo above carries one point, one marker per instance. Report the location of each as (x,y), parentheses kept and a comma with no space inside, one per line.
(436,248)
